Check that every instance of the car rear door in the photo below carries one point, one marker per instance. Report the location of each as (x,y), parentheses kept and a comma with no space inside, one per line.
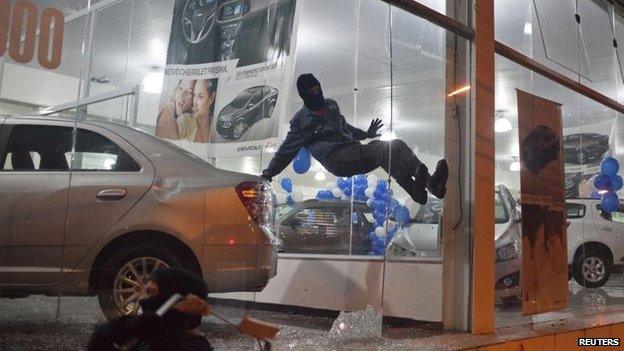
(109,176)
(34,181)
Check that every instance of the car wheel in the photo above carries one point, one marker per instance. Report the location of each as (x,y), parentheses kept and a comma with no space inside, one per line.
(592,269)
(122,278)
(238,130)
(581,157)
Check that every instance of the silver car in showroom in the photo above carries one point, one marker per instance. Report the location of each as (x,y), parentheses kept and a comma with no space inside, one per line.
(97,217)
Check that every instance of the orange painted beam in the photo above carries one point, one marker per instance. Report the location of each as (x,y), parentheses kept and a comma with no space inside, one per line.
(483,205)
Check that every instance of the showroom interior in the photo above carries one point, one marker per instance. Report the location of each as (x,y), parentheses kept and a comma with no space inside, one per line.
(132,133)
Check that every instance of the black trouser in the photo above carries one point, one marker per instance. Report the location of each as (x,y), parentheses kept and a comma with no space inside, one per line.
(395,157)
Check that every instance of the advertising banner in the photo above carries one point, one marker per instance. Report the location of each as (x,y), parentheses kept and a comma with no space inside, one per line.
(544,239)
(229,68)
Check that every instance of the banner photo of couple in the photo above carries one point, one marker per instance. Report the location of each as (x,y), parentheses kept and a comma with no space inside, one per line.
(228,73)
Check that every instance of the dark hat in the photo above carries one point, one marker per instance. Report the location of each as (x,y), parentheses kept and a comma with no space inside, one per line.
(305,82)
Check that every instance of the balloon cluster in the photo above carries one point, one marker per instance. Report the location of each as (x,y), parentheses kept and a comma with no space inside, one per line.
(388,213)
(291,196)
(608,182)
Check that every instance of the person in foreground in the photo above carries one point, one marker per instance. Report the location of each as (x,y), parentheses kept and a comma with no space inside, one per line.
(175,330)
(320,128)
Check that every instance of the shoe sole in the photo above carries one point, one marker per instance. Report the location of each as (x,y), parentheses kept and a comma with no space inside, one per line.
(441,170)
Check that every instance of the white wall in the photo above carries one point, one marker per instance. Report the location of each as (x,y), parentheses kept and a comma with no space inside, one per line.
(412,289)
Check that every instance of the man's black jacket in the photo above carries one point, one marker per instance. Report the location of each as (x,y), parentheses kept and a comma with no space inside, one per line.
(321,135)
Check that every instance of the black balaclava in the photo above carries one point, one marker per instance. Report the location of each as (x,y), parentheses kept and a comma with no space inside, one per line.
(171,281)
(312,101)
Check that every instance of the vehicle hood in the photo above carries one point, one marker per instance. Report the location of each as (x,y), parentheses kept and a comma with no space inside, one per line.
(230,113)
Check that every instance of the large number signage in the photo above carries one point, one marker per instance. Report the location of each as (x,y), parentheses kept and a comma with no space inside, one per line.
(22,29)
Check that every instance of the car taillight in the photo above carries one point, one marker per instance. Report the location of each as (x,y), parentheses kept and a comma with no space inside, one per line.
(259,200)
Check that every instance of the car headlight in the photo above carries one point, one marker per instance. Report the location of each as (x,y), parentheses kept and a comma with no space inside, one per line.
(226,124)
(506,253)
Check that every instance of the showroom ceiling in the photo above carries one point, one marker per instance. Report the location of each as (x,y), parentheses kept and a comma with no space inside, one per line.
(132,36)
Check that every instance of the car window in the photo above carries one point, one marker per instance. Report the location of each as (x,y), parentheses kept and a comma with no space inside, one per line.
(574,210)
(257,96)
(37,148)
(316,216)
(241,100)
(95,152)
(612,216)
(500,211)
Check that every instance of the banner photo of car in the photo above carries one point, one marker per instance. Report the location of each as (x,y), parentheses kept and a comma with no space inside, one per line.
(228,63)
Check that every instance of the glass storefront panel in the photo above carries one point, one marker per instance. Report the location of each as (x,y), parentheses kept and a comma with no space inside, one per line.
(593,236)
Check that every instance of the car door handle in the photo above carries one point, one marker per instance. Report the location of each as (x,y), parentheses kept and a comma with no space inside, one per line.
(111,194)
(607,229)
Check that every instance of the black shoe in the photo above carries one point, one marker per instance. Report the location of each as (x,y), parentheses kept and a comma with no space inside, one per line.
(419,191)
(437,181)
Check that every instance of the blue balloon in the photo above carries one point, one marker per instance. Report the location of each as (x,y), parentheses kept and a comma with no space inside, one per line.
(372,236)
(379,216)
(287,184)
(379,205)
(322,195)
(394,204)
(379,245)
(290,200)
(610,202)
(360,189)
(361,180)
(603,182)
(609,166)
(402,214)
(347,190)
(302,161)
(342,182)
(616,182)
(382,184)
(380,195)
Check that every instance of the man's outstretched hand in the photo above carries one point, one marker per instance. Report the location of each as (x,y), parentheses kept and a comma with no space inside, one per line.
(375,125)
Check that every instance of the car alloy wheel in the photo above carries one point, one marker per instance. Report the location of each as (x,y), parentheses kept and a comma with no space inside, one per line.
(130,281)
(238,130)
(594,269)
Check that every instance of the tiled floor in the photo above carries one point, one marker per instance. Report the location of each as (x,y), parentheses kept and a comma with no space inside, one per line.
(32,324)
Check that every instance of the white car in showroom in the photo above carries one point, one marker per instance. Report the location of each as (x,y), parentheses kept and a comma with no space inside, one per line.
(424,237)
(595,247)
(595,241)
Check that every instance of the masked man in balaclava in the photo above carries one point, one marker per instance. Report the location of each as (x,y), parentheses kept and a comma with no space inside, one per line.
(176,330)
(320,128)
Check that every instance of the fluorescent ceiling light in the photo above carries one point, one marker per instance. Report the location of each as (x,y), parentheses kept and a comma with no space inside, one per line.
(460,90)
(320,176)
(152,82)
(528,28)
(502,125)
(515,166)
